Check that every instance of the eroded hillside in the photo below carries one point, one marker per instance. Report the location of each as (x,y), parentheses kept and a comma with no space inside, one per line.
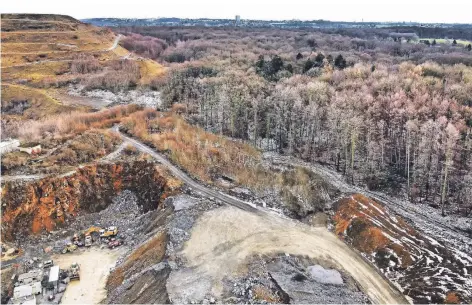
(43,55)
(424,268)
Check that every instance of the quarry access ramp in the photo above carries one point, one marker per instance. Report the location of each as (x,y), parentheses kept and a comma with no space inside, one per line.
(379,290)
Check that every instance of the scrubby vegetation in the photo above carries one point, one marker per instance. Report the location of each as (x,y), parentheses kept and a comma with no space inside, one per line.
(12,160)
(85,148)
(147,46)
(67,124)
(67,140)
(62,153)
(122,74)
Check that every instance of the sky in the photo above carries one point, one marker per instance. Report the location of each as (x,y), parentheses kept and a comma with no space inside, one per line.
(450,11)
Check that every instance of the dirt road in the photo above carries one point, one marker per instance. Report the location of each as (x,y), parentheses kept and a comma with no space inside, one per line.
(95,265)
(240,235)
(21,177)
(249,230)
(189,181)
(115,43)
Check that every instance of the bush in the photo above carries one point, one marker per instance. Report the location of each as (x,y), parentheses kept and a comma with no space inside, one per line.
(145,46)
(130,150)
(85,64)
(12,160)
(86,147)
(127,77)
(71,123)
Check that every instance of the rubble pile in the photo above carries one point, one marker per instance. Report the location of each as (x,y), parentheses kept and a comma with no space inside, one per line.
(124,213)
(188,208)
(287,279)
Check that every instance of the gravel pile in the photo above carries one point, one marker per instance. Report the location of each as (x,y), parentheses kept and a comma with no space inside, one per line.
(124,213)
(305,287)
(146,98)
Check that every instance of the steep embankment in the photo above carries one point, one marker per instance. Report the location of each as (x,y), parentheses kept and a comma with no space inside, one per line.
(425,269)
(142,274)
(48,203)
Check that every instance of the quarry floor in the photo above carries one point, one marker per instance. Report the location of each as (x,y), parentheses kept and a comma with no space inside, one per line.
(95,265)
(240,235)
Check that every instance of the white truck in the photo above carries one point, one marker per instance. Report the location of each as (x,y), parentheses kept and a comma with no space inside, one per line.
(88,240)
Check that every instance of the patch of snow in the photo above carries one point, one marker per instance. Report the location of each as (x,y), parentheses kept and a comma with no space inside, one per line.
(375,207)
(393,239)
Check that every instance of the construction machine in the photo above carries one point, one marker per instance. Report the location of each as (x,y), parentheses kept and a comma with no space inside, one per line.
(109,232)
(74,272)
(76,240)
(94,232)
(70,247)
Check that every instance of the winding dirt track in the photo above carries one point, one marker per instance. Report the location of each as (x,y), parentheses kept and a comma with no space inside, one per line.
(249,229)
(243,205)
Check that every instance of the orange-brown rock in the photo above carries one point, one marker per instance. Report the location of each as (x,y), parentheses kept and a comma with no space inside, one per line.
(46,204)
(424,268)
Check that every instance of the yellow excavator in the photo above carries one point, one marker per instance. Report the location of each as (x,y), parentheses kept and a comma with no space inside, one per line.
(70,247)
(97,232)
(94,232)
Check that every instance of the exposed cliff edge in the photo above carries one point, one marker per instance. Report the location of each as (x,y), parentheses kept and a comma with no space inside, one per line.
(49,203)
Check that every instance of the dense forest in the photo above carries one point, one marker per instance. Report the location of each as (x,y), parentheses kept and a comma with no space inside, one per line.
(388,113)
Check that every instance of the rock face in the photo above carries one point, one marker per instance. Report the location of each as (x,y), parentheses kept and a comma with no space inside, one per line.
(147,287)
(142,276)
(425,269)
(49,203)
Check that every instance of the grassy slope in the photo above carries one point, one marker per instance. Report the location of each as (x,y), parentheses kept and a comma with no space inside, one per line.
(41,104)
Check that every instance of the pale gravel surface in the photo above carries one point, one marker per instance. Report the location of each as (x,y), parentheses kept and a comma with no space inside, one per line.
(240,235)
(145,98)
(95,265)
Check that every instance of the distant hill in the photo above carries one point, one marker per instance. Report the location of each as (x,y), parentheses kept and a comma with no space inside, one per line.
(371,29)
(113,22)
(40,17)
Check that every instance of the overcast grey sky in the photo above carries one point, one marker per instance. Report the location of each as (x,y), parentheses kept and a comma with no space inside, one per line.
(450,11)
